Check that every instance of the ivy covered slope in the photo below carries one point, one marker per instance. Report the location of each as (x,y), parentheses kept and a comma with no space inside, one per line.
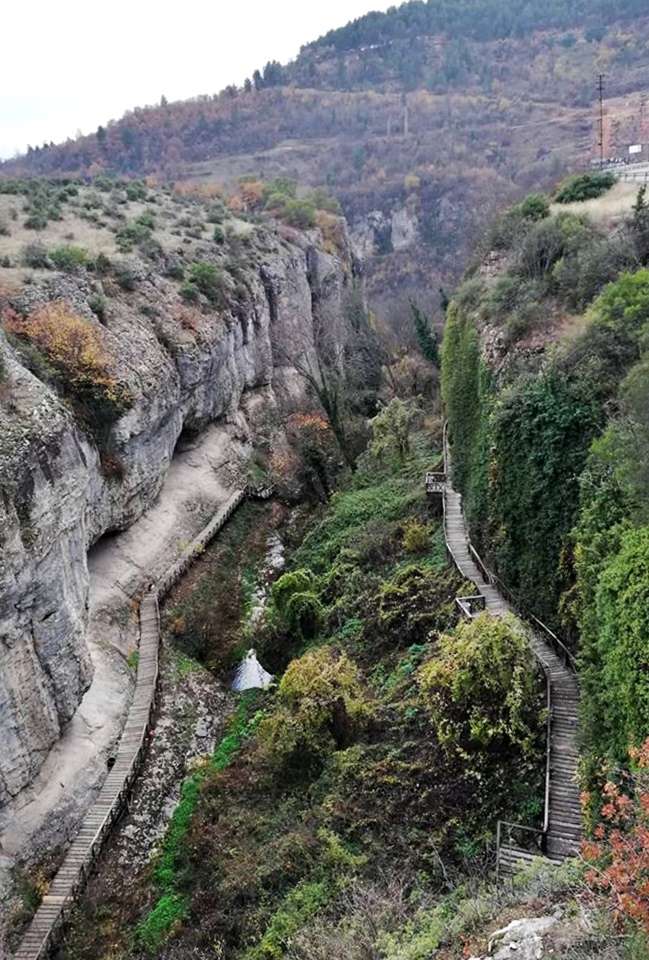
(370,781)
(545,377)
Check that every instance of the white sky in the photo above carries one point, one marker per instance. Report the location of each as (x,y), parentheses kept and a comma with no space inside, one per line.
(71,65)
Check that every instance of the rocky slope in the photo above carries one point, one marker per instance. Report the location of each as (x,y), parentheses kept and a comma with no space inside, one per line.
(65,484)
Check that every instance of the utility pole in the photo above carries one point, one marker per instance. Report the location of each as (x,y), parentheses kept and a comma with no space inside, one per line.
(600,90)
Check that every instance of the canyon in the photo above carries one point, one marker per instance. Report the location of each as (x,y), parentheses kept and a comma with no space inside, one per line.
(84,534)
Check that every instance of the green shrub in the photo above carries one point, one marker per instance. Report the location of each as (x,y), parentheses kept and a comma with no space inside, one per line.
(412,606)
(542,246)
(304,614)
(103,265)
(298,213)
(162,922)
(132,233)
(281,187)
(69,258)
(584,186)
(36,221)
(482,689)
(320,706)
(579,278)
(136,190)
(209,280)
(189,292)
(296,581)
(534,207)
(97,304)
(622,618)
(416,537)
(126,273)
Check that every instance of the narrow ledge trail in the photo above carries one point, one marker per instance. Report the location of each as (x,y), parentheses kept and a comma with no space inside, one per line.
(562,828)
(49,920)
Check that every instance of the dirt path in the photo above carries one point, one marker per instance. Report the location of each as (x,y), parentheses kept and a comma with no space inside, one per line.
(38,823)
(195,704)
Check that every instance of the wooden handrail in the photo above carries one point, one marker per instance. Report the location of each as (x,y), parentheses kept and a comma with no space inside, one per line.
(45,930)
(548,638)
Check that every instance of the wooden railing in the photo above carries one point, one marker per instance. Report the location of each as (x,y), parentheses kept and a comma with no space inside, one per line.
(435,482)
(524,838)
(561,650)
(505,831)
(47,927)
(473,606)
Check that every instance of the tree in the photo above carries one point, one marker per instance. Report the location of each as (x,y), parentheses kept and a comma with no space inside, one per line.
(391,428)
(619,852)
(339,363)
(257,79)
(320,705)
(273,74)
(426,337)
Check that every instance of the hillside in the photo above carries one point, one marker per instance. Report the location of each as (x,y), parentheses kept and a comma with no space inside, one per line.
(422,121)
(544,376)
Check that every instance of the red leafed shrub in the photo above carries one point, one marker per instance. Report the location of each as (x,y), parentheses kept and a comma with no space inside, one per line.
(619,853)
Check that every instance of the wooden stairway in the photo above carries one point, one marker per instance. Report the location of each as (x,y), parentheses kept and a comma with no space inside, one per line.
(47,926)
(561,835)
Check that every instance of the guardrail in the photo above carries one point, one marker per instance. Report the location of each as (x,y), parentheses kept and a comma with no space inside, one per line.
(525,838)
(46,930)
(473,606)
(470,604)
(435,482)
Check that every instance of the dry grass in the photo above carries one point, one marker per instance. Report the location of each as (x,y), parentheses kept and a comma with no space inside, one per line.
(607,209)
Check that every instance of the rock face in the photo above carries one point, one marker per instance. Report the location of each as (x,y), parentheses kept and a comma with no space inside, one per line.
(58,495)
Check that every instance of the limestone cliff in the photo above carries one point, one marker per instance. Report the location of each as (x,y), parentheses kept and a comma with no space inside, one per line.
(60,491)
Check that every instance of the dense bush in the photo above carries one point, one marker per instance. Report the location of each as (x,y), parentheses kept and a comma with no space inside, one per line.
(36,255)
(132,233)
(69,258)
(76,361)
(482,690)
(321,704)
(619,652)
(465,391)
(584,186)
(208,280)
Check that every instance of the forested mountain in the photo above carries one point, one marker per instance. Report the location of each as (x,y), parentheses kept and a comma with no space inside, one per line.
(421,120)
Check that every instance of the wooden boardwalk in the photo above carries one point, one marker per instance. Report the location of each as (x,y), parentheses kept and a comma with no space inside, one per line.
(561,834)
(47,926)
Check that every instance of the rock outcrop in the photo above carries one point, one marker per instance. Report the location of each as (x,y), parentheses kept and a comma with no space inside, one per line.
(60,493)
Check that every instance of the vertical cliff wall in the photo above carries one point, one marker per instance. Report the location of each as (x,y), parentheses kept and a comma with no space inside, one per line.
(183,368)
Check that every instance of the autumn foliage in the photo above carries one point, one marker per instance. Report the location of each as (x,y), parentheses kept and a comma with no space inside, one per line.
(74,356)
(619,853)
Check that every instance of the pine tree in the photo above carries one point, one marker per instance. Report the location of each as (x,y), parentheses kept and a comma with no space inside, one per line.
(426,337)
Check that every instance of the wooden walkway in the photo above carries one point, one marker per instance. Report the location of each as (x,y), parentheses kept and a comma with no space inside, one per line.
(47,926)
(561,834)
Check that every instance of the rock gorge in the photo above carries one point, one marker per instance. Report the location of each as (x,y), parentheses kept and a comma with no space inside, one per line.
(60,493)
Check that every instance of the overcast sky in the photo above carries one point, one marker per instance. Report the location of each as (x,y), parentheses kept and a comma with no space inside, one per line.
(69,66)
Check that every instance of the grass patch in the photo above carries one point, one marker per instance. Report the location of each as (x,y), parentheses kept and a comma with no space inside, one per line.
(170,909)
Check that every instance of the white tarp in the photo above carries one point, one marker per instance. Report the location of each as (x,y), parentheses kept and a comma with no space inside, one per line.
(251,675)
